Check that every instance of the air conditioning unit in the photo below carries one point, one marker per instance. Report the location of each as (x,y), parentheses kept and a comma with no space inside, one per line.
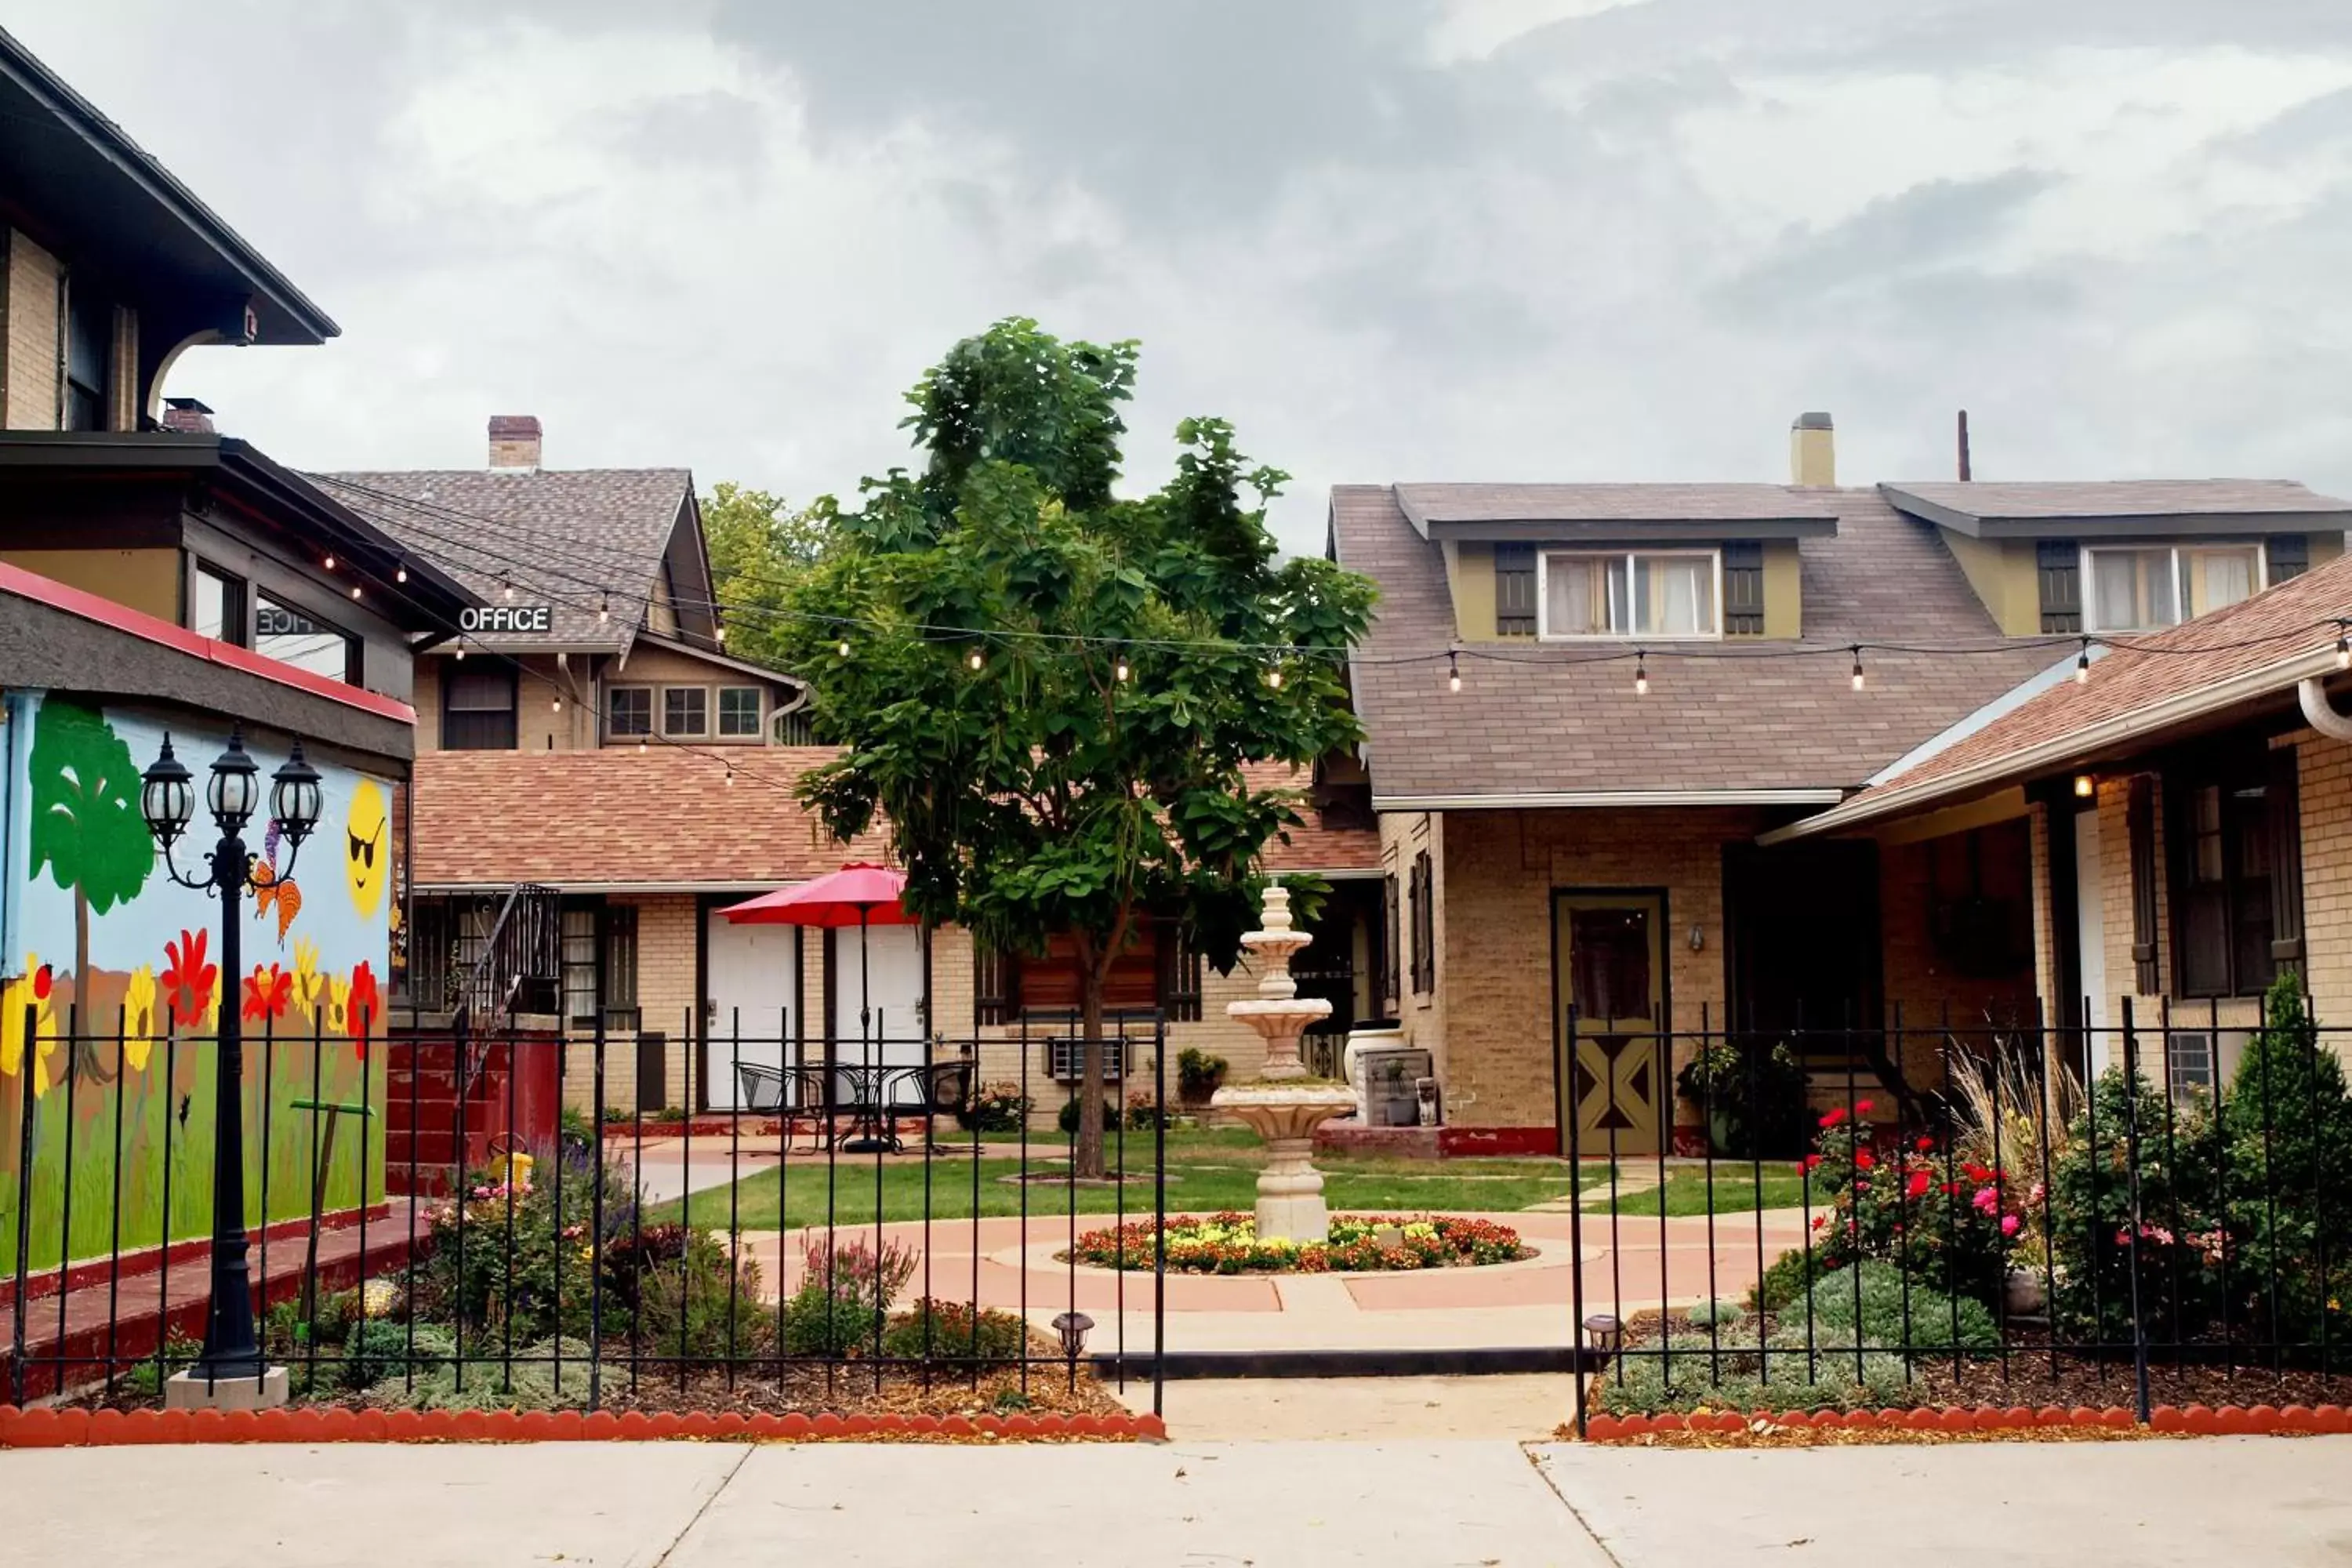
(1065,1059)
(2202,1061)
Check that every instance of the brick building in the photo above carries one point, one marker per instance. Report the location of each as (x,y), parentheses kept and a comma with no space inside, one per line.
(1655,680)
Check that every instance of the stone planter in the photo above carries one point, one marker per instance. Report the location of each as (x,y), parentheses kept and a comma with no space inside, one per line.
(2025,1294)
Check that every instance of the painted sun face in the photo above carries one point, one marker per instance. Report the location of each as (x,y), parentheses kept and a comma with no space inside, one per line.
(367,849)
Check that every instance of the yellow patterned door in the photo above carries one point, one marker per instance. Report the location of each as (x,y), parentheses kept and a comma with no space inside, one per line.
(1610,967)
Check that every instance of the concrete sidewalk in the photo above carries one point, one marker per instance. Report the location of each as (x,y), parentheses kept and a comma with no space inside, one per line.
(1488,1503)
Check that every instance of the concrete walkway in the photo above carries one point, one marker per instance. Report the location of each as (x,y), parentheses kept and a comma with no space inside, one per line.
(1407,1501)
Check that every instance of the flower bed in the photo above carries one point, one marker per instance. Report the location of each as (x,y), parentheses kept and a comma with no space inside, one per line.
(1228,1243)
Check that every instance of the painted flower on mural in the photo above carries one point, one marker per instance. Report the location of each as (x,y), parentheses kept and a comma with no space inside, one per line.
(140,1026)
(361,1009)
(28,1002)
(190,985)
(306,992)
(335,1006)
(267,993)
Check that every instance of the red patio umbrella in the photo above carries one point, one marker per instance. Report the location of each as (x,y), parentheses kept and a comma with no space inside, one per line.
(861,894)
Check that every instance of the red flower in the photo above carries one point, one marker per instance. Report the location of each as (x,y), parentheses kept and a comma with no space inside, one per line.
(1917,1185)
(1926,1145)
(267,993)
(1863,1160)
(366,1002)
(1862,1109)
(1836,1114)
(189,983)
(1813,1163)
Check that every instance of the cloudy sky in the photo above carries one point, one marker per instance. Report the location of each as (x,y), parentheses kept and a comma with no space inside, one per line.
(1391,239)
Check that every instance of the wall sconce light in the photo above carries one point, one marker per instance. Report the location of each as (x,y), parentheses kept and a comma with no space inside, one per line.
(1697,937)
(2085,786)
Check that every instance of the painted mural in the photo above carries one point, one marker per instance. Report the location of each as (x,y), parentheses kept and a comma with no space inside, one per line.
(110,990)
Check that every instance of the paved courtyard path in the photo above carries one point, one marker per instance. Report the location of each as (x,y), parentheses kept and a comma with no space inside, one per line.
(1422,1503)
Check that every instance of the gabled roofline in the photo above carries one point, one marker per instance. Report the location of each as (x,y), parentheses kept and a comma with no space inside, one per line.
(2182,708)
(726,661)
(2152,525)
(1588,799)
(112,143)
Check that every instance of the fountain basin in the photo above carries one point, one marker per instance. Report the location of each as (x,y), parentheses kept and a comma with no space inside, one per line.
(1290,1203)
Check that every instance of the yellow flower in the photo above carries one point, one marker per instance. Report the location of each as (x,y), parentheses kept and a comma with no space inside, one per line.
(306,975)
(338,1003)
(138,1020)
(34,990)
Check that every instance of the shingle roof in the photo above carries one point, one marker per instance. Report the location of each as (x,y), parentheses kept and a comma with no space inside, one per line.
(1979,501)
(1528,721)
(564,536)
(2265,643)
(618,818)
(1464,503)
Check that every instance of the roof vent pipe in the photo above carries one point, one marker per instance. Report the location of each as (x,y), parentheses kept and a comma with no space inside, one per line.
(2320,713)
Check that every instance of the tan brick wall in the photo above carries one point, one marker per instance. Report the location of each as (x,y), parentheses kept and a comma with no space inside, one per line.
(1498,874)
(668,934)
(34,279)
(1403,835)
(122,371)
(539,725)
(2324,776)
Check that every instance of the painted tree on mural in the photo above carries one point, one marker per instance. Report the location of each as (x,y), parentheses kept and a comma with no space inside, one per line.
(87,830)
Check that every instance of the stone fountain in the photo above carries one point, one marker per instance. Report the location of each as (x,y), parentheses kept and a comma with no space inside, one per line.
(1280,1105)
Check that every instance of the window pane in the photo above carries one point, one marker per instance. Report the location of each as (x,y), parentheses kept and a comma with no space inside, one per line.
(1574,605)
(1610,959)
(621,956)
(579,965)
(739,711)
(631,710)
(2132,590)
(1676,595)
(297,639)
(218,611)
(477,709)
(2213,578)
(2205,816)
(685,710)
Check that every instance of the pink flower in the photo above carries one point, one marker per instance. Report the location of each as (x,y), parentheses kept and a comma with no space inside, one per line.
(1987,1200)
(2008,1223)
(2035,1195)
(1862,1109)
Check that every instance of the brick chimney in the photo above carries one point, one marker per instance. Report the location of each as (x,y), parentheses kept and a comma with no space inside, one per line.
(514,441)
(187,416)
(1812,450)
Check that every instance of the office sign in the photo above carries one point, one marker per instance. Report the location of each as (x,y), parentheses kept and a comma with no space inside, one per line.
(505,618)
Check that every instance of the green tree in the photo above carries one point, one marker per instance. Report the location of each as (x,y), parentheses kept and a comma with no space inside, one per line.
(87,829)
(1131,656)
(2289,1122)
(759,548)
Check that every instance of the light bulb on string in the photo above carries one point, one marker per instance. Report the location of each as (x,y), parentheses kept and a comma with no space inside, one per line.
(1857,667)
(604,608)
(461,653)
(1274,678)
(400,572)
(1453,672)
(1641,673)
(2082,663)
(355,590)
(975,660)
(1119,672)
(506,586)
(842,647)
(730,776)
(329,561)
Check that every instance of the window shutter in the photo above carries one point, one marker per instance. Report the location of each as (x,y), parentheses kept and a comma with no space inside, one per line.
(2058,568)
(2140,819)
(1424,926)
(2282,801)
(1514,590)
(2289,556)
(1743,590)
(1393,941)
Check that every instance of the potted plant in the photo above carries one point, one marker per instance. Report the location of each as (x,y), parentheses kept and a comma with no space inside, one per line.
(1198,1074)
(1753,1098)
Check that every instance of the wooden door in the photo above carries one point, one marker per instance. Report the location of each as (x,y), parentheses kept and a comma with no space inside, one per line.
(1610,980)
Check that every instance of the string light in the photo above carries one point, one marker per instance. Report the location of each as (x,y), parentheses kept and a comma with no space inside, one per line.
(842,647)
(1641,672)
(1857,667)
(355,590)
(1119,672)
(642,745)
(975,660)
(400,572)
(2083,664)
(604,608)
(506,585)
(556,704)
(329,561)
(730,776)
(1274,678)
(1452,670)
(461,653)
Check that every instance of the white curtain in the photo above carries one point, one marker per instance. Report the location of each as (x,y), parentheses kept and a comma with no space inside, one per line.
(1677,598)
(2219,577)
(1573,591)
(2132,590)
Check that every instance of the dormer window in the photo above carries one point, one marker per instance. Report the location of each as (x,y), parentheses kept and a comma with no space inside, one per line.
(2140,588)
(1630,594)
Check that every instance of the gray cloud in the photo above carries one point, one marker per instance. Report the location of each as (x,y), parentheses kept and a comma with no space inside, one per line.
(1627,242)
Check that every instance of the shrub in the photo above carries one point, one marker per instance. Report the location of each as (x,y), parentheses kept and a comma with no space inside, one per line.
(1752,1095)
(1143,1112)
(1946,1220)
(1714,1314)
(1198,1073)
(1068,1119)
(2181,1242)
(702,1306)
(537,1284)
(528,1383)
(948,1332)
(379,1348)
(144,1381)
(2005,1115)
(995,1107)
(2288,1122)
(844,1294)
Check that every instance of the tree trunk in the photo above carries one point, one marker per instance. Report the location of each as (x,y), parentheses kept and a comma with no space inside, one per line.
(1086,1157)
(81,1057)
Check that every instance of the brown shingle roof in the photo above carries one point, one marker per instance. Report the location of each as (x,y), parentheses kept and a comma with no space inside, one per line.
(1528,721)
(619,817)
(563,536)
(1979,501)
(1443,503)
(2266,643)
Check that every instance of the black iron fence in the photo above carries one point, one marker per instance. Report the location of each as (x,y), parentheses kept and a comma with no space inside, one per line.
(483,1218)
(2156,1208)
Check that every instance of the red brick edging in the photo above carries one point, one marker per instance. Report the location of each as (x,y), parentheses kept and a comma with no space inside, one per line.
(2200,1419)
(72,1428)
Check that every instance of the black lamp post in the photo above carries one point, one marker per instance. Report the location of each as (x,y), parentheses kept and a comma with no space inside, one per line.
(167,800)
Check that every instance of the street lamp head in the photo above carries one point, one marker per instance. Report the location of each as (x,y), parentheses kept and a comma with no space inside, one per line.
(294,797)
(235,786)
(167,797)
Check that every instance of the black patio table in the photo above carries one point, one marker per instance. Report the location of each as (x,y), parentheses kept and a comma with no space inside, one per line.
(878,1093)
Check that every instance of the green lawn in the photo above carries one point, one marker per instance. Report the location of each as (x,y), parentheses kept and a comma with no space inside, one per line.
(1686,1192)
(1207,1169)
